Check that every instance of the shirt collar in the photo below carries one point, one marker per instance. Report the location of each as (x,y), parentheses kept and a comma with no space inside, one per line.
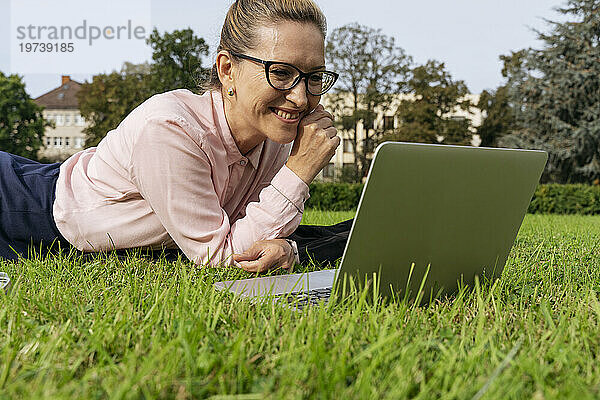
(233,153)
(254,155)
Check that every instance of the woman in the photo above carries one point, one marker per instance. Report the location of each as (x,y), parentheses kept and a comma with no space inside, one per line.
(222,176)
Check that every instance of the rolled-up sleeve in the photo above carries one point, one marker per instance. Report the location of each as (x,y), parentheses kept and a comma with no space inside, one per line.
(175,176)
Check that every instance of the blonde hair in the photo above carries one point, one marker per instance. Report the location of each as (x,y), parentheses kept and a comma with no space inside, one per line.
(245,16)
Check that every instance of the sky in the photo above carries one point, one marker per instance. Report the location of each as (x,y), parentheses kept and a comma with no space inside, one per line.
(467,35)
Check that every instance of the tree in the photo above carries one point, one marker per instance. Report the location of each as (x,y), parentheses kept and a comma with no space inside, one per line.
(21,121)
(427,116)
(512,64)
(372,71)
(177,63)
(498,117)
(177,60)
(496,106)
(110,97)
(557,95)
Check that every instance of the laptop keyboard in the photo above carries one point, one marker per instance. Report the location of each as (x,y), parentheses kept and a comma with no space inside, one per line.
(300,300)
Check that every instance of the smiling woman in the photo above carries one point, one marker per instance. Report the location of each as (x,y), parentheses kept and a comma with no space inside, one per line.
(223,176)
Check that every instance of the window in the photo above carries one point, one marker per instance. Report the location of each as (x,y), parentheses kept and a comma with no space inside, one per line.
(60,120)
(329,170)
(57,141)
(67,119)
(388,122)
(67,141)
(48,142)
(78,142)
(348,146)
(79,121)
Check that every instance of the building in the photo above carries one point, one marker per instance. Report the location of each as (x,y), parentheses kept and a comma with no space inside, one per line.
(344,155)
(62,107)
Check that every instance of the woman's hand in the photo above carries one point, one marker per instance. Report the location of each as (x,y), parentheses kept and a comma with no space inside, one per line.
(314,145)
(267,254)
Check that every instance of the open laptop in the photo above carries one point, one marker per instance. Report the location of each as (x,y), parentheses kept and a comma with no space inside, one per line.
(429,217)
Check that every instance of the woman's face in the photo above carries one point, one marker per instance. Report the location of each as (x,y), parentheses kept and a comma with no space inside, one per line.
(259,109)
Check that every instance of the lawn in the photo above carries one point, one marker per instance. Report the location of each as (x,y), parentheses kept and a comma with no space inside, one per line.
(141,329)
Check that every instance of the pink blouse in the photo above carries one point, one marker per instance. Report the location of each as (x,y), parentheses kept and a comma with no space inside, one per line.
(171,175)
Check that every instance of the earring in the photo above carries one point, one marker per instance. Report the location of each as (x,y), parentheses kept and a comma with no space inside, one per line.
(230,92)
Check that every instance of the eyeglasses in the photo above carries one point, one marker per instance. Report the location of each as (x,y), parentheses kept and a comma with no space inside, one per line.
(284,76)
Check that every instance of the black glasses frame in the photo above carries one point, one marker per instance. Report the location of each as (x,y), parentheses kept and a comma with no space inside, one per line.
(301,74)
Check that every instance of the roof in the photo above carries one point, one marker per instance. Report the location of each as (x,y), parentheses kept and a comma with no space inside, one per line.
(63,97)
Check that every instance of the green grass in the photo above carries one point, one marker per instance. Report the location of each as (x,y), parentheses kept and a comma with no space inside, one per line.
(142,329)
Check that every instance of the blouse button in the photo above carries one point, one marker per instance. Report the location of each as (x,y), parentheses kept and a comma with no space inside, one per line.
(243,163)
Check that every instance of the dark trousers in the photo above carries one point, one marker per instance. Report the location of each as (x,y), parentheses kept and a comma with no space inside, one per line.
(26,198)
(321,244)
(27,191)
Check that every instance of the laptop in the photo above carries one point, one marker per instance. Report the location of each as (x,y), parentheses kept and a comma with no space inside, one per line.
(430,219)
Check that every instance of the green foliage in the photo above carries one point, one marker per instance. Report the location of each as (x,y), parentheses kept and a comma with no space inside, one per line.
(425,118)
(334,196)
(548,199)
(21,121)
(109,98)
(557,95)
(134,328)
(498,113)
(566,199)
(512,64)
(499,117)
(372,70)
(177,60)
